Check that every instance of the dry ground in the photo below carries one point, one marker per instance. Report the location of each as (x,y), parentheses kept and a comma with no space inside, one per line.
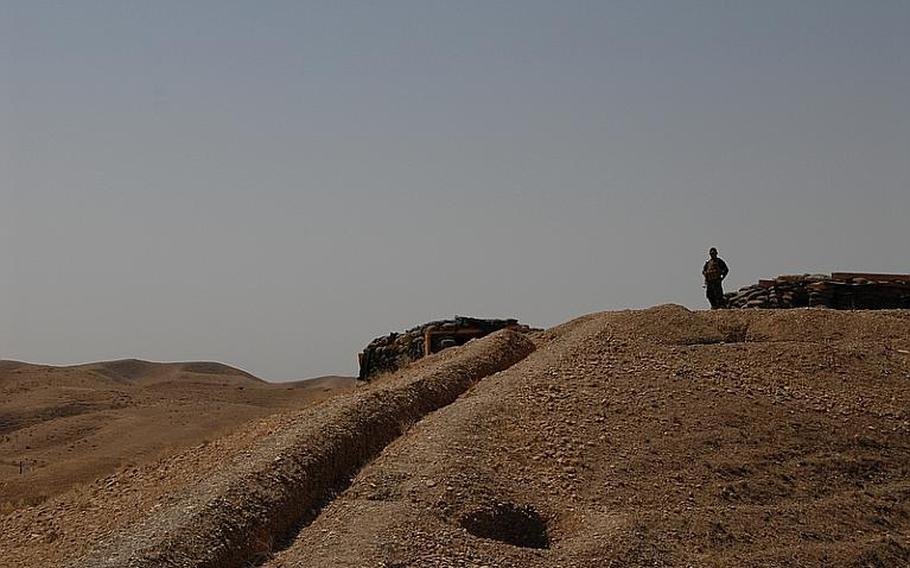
(653,438)
(66,426)
(660,437)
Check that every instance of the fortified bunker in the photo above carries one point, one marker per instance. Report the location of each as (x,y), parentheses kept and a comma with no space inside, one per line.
(392,352)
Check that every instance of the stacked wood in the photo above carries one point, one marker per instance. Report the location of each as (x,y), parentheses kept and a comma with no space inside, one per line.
(392,352)
(840,290)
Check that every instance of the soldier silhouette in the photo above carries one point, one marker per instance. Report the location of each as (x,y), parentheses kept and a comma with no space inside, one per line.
(714,272)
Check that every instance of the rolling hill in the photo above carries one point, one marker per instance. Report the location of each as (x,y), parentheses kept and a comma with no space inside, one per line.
(64,426)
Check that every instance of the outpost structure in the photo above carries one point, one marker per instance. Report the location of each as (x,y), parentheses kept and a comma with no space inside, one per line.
(392,352)
(839,290)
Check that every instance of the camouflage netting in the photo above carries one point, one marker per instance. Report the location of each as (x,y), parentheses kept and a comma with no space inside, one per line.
(840,290)
(394,351)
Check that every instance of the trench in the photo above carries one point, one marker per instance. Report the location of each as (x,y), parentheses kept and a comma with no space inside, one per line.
(517,525)
(241,516)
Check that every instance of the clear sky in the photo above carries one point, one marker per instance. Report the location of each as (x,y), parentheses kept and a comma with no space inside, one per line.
(272,184)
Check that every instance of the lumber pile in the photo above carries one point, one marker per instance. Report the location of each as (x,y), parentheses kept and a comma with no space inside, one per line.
(392,352)
(839,290)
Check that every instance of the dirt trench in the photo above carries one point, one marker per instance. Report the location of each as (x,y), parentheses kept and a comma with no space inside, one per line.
(262,498)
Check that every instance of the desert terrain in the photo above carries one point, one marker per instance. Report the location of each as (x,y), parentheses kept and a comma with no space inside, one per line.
(61,427)
(659,437)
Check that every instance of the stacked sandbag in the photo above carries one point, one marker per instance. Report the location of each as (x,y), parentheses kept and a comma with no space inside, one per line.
(851,291)
(790,291)
(392,352)
(840,290)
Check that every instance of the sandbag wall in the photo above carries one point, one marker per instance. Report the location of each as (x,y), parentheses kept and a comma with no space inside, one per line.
(782,292)
(392,352)
(860,295)
(840,290)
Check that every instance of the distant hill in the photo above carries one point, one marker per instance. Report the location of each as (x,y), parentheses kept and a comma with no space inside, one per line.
(64,426)
(145,372)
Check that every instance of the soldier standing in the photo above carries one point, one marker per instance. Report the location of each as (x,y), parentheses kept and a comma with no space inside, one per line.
(714,271)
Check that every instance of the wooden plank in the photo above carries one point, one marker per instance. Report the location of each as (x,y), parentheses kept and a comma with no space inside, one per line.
(426,343)
(870,276)
(469,331)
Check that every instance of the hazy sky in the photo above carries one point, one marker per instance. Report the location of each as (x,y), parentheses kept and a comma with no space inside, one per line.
(272,184)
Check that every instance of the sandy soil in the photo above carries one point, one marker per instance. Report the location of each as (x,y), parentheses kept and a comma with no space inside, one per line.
(660,437)
(66,426)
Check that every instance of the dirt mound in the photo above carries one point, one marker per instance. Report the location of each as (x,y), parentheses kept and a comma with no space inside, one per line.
(660,437)
(669,325)
(816,325)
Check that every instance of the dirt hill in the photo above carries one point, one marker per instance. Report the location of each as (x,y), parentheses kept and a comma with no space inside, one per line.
(63,426)
(660,437)
(135,371)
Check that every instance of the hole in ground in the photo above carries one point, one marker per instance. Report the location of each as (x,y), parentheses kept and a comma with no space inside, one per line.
(517,525)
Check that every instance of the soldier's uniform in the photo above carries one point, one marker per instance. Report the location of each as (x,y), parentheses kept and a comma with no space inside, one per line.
(714,271)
